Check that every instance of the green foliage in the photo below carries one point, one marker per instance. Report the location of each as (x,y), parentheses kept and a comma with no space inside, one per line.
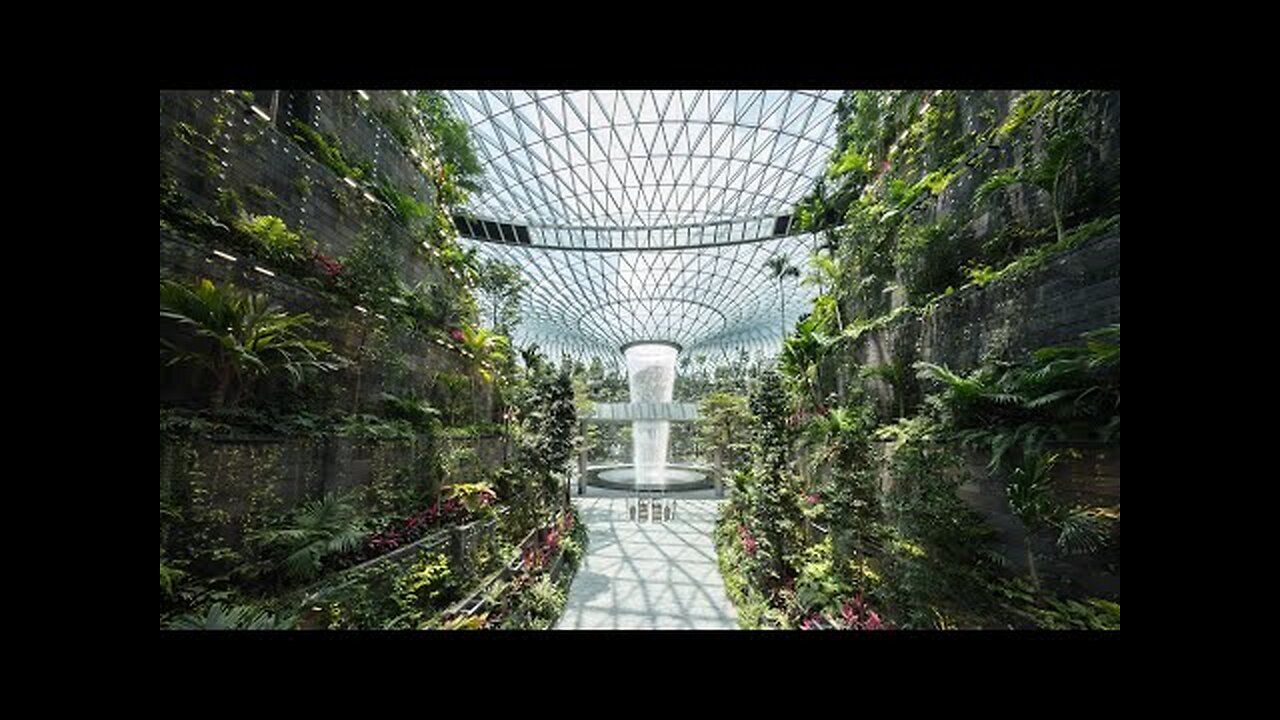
(260,193)
(723,421)
(329,151)
(402,205)
(423,587)
(549,428)
(930,258)
(274,239)
(319,529)
(486,348)
(473,496)
(451,139)
(426,125)
(895,150)
(542,603)
(1069,392)
(1030,489)
(818,585)
(850,161)
(418,413)
(240,336)
(501,286)
(773,515)
(802,355)
(358,425)
(221,617)
(1038,255)
(1046,611)
(1027,106)
(169,577)
(848,487)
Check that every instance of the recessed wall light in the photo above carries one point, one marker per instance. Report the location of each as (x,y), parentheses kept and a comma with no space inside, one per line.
(224,256)
(264,271)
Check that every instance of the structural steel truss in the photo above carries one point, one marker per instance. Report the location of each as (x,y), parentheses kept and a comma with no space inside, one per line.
(649,215)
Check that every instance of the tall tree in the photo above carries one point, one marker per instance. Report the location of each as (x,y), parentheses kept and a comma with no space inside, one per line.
(780,267)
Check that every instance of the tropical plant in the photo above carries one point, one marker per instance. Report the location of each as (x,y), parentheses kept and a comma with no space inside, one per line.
(1031,499)
(402,205)
(545,601)
(473,496)
(320,528)
(245,337)
(802,355)
(450,140)
(328,150)
(1062,152)
(847,493)
(488,348)
(240,617)
(825,273)
(723,419)
(417,412)
(426,584)
(169,577)
(1066,392)
(773,518)
(274,239)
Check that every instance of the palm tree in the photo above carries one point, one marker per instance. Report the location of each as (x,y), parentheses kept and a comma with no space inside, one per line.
(780,267)
(249,337)
(1031,499)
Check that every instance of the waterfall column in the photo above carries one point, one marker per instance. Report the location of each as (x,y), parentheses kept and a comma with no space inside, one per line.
(651,372)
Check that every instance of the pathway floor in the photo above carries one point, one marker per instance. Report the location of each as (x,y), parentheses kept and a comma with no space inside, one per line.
(651,575)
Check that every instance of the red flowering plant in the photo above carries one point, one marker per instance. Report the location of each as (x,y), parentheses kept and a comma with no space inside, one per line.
(538,555)
(551,539)
(457,335)
(855,615)
(404,531)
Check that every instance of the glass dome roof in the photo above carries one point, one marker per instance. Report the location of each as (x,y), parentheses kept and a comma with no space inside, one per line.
(647,215)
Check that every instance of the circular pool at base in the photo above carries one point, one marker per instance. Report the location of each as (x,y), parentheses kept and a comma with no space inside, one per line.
(623,477)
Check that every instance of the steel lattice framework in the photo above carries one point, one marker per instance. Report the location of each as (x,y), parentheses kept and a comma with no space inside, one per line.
(650,214)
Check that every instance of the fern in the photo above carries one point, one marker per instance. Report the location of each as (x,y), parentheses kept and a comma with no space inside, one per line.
(240,617)
(321,528)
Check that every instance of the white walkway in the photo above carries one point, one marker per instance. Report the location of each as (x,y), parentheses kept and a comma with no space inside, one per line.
(648,575)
